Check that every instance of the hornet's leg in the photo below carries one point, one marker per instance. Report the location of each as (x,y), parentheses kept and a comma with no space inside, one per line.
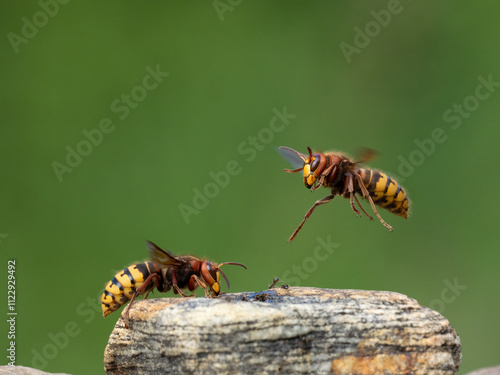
(308,213)
(202,285)
(366,195)
(176,287)
(350,187)
(325,173)
(362,209)
(152,277)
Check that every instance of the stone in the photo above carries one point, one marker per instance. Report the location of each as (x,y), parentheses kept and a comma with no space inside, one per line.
(486,371)
(21,370)
(284,330)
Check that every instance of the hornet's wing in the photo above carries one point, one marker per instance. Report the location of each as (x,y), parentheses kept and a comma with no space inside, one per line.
(164,258)
(295,158)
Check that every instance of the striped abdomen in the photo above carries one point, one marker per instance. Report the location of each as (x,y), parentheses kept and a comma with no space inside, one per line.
(385,191)
(123,286)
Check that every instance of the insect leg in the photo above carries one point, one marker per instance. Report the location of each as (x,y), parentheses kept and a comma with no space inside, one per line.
(366,195)
(157,284)
(325,173)
(293,170)
(202,285)
(362,209)
(350,188)
(275,281)
(176,287)
(138,292)
(308,213)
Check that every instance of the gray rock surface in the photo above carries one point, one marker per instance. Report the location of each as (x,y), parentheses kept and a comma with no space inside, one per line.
(486,371)
(289,331)
(21,370)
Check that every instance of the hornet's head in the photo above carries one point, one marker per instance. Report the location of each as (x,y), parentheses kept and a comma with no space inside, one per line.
(314,164)
(211,274)
(311,165)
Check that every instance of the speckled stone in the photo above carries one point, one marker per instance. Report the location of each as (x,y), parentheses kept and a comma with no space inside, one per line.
(21,370)
(290,331)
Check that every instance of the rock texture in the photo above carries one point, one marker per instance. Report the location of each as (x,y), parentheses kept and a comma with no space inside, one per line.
(486,371)
(21,370)
(288,331)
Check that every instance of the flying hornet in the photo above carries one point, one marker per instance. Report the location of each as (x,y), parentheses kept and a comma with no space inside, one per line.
(344,177)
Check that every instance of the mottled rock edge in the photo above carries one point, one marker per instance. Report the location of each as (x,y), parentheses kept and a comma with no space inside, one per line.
(21,370)
(289,331)
(486,371)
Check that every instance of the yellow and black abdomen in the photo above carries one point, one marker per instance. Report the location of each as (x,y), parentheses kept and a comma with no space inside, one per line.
(123,286)
(385,191)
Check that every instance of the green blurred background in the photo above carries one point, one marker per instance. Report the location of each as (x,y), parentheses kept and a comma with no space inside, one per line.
(230,65)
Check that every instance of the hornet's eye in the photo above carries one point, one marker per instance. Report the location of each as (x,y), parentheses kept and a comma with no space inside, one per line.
(213,272)
(314,164)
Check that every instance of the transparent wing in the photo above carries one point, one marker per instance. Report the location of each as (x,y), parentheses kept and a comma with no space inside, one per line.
(162,257)
(295,158)
(366,154)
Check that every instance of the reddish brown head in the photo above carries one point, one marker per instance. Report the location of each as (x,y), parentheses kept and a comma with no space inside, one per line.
(211,274)
(311,166)
(314,165)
